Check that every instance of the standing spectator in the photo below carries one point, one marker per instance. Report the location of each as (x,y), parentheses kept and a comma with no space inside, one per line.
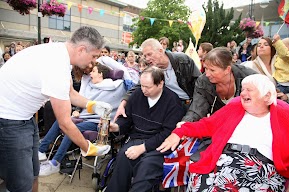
(281,64)
(244,53)
(264,62)
(105,51)
(12,49)
(6,56)
(203,50)
(165,42)
(29,79)
(235,58)
(132,67)
(180,72)
(180,46)
(46,39)
(233,46)
(18,48)
(248,48)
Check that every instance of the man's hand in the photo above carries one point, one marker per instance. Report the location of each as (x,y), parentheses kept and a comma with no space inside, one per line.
(113,127)
(282,96)
(276,37)
(98,107)
(96,150)
(134,152)
(171,142)
(120,110)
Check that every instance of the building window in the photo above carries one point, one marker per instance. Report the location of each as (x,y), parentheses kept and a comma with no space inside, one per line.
(61,23)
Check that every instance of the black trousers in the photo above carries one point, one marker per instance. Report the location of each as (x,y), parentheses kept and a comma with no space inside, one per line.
(139,175)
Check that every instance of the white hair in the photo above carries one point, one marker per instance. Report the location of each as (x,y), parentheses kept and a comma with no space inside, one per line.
(264,86)
(155,44)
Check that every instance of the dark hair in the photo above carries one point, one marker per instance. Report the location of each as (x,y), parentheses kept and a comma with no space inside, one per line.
(206,47)
(156,73)
(269,41)
(220,57)
(102,69)
(87,35)
(107,48)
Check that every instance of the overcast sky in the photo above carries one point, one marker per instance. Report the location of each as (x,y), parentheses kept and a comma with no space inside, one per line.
(227,3)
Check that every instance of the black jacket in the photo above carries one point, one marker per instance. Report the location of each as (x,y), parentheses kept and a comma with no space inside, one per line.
(186,72)
(205,94)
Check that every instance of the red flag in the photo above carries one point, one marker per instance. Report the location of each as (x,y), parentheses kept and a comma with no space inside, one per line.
(283,11)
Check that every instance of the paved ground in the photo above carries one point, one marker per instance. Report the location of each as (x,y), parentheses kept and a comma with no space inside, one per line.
(60,182)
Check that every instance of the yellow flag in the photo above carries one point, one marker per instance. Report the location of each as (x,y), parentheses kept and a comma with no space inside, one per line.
(257,23)
(171,22)
(192,53)
(69,4)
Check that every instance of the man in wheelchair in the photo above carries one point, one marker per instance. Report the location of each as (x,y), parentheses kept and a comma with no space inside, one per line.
(99,87)
(152,113)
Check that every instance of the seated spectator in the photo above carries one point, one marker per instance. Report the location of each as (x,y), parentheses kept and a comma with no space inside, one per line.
(203,50)
(248,150)
(105,51)
(281,74)
(97,87)
(152,112)
(132,67)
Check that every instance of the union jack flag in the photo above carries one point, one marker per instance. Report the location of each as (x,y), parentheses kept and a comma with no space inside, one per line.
(176,165)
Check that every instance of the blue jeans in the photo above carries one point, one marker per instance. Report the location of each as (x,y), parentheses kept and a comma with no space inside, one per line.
(282,88)
(19,164)
(54,131)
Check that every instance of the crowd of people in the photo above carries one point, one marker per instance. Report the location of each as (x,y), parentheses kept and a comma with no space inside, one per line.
(236,103)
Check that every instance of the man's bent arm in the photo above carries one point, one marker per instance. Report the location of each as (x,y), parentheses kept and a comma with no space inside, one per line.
(62,110)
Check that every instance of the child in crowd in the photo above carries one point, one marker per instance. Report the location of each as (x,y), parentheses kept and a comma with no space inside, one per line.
(281,73)
(202,52)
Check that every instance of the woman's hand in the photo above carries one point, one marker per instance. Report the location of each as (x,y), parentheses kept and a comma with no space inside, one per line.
(282,96)
(171,142)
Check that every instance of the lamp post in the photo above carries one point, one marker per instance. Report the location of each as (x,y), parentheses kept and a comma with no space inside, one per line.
(39,23)
(251,9)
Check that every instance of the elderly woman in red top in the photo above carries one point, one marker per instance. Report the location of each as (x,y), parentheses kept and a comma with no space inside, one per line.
(249,150)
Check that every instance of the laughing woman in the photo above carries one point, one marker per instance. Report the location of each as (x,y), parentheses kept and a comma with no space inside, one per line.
(249,146)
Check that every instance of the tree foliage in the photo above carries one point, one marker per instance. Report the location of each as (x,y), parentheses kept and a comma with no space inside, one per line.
(162,10)
(219,29)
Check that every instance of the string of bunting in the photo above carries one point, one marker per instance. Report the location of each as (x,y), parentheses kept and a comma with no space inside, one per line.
(142,18)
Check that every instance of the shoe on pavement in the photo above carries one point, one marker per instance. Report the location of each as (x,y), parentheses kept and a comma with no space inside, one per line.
(47,168)
(42,156)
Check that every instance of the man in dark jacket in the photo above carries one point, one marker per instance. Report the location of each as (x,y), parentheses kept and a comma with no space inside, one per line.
(180,72)
(152,113)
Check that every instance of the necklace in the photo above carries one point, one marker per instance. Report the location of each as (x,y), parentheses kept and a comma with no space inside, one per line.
(227,96)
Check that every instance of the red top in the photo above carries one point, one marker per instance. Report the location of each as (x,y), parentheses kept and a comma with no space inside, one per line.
(221,125)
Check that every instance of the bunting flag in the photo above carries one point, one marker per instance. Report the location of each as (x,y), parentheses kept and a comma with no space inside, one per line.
(101,12)
(79,8)
(90,9)
(283,10)
(152,21)
(171,22)
(69,4)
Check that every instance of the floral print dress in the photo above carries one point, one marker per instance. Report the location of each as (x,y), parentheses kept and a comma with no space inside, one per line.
(238,172)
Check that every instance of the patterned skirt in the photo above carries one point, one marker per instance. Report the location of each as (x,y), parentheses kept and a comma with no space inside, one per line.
(238,172)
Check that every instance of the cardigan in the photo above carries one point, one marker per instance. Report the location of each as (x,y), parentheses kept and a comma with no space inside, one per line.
(220,127)
(152,124)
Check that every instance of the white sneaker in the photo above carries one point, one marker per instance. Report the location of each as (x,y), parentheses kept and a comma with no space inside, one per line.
(42,156)
(47,168)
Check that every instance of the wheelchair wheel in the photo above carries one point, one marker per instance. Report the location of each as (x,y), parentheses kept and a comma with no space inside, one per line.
(94,183)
